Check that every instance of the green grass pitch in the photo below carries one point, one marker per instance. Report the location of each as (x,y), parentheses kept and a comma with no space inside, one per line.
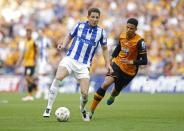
(130,112)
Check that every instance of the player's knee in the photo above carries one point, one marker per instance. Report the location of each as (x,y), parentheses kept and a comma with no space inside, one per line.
(61,73)
(84,94)
(29,79)
(84,99)
(105,86)
(56,82)
(58,77)
(31,87)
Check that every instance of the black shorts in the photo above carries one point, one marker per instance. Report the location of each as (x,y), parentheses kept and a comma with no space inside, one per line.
(121,79)
(29,70)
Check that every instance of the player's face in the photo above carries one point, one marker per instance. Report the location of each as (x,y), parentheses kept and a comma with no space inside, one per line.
(29,33)
(94,18)
(130,29)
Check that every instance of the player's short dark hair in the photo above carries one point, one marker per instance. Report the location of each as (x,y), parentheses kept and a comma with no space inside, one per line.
(96,10)
(28,29)
(133,21)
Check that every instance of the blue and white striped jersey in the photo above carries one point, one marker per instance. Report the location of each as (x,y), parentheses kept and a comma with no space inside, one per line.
(85,42)
(43,43)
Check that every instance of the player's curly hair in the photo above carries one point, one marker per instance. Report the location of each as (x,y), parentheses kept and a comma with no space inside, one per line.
(132,21)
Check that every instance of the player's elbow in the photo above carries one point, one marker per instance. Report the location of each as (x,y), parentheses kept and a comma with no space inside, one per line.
(145,62)
(104,48)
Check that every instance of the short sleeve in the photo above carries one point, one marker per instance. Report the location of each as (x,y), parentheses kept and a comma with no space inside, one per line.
(142,46)
(103,40)
(74,31)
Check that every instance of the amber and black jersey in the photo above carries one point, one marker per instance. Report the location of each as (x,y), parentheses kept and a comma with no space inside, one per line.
(132,50)
(29,58)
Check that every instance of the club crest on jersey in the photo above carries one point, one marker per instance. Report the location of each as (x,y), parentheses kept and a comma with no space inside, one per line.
(125,50)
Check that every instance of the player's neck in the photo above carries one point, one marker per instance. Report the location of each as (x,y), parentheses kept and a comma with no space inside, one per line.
(91,25)
(28,38)
(128,37)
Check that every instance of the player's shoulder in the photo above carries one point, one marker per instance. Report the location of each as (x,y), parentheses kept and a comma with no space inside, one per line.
(100,28)
(122,35)
(81,22)
(139,37)
(141,41)
(31,41)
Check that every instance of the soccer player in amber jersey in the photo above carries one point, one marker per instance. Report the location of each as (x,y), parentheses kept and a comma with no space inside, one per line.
(28,58)
(126,58)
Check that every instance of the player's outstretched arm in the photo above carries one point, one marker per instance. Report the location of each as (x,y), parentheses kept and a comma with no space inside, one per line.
(62,45)
(106,58)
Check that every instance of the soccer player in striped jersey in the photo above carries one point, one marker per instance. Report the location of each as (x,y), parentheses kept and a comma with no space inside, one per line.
(44,69)
(126,58)
(85,38)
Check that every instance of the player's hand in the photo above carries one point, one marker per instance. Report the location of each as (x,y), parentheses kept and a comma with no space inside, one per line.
(60,45)
(127,61)
(109,69)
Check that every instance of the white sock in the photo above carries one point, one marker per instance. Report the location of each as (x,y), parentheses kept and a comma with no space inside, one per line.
(83,103)
(52,93)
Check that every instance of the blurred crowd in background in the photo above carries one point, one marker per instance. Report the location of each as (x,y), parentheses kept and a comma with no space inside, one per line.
(161,23)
